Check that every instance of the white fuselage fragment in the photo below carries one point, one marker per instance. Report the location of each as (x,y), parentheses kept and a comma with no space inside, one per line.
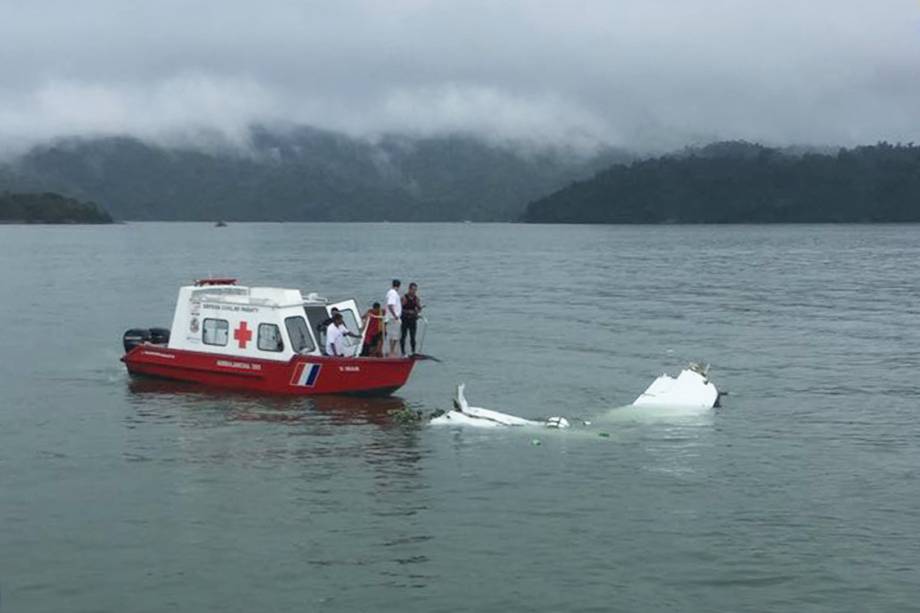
(691,390)
(465,415)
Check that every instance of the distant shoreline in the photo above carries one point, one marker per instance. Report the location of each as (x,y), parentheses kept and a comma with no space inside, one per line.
(26,222)
(49,208)
(738,182)
(502,222)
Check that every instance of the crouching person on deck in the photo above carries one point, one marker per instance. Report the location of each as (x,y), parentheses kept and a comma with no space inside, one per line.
(335,336)
(322,326)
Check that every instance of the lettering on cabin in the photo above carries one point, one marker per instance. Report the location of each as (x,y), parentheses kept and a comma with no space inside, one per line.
(242,335)
(237,308)
(227,307)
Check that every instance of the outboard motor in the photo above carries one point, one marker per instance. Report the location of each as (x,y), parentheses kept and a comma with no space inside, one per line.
(159,336)
(135,337)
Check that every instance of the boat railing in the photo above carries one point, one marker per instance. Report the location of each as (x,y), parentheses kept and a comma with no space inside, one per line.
(420,332)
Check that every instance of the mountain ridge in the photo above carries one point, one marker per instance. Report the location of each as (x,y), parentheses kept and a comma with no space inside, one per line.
(304,174)
(49,208)
(740,182)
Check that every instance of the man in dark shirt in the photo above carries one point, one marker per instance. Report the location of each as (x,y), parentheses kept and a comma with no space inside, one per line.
(411,308)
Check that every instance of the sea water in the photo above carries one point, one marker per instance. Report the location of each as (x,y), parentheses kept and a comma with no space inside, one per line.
(801,493)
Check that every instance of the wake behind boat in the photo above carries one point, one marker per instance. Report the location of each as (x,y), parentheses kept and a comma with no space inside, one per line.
(260,339)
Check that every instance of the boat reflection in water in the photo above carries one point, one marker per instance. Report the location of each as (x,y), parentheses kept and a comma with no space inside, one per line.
(161,395)
(319,455)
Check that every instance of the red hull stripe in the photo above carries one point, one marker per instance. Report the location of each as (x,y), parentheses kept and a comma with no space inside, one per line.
(305,374)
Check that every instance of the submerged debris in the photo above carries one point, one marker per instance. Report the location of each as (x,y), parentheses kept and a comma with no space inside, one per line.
(406,415)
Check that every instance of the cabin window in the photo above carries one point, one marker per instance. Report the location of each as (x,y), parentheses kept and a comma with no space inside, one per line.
(301,341)
(215,332)
(270,338)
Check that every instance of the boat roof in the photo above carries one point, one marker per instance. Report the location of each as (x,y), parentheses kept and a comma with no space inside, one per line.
(226,291)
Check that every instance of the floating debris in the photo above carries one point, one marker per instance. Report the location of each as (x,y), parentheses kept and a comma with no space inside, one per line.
(465,415)
(407,416)
(691,389)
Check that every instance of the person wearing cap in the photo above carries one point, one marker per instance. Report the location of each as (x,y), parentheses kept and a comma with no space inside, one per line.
(393,314)
(335,336)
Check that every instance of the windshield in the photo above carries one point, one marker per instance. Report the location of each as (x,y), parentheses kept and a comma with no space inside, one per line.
(301,340)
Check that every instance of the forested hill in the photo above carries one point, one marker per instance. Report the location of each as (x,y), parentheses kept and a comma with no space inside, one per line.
(49,208)
(303,174)
(741,183)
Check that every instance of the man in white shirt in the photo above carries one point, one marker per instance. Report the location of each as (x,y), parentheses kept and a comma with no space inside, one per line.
(335,336)
(393,313)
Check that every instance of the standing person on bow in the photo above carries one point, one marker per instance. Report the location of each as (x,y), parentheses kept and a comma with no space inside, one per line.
(393,315)
(411,309)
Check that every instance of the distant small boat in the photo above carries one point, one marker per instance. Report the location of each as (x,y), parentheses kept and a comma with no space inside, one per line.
(221,224)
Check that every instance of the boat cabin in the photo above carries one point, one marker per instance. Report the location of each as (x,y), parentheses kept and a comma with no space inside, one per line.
(269,323)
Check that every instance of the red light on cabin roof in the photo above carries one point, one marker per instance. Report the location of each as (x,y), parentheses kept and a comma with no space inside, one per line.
(224,281)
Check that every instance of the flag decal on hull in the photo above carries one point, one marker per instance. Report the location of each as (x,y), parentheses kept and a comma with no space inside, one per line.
(305,374)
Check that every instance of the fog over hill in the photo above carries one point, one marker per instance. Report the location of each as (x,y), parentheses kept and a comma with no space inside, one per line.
(304,174)
(424,110)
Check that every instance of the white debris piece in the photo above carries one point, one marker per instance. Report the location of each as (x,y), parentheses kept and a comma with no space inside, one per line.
(692,389)
(465,415)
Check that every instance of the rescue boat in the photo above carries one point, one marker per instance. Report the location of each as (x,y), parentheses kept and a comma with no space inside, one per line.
(260,339)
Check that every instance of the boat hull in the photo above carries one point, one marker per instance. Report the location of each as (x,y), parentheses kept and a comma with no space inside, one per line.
(301,375)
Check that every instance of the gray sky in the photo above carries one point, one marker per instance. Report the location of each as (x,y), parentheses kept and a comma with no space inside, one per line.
(638,73)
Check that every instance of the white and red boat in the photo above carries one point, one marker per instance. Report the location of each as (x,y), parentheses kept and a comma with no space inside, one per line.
(261,339)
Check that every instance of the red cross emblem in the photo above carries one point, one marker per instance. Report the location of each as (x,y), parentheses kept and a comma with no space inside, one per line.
(242,334)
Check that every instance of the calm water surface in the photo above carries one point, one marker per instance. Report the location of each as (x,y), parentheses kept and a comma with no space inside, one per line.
(800,494)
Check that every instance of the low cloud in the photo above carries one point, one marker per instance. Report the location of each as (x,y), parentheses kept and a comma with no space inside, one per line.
(646,74)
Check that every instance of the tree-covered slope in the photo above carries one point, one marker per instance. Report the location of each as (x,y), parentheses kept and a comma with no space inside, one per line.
(303,174)
(740,182)
(48,208)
